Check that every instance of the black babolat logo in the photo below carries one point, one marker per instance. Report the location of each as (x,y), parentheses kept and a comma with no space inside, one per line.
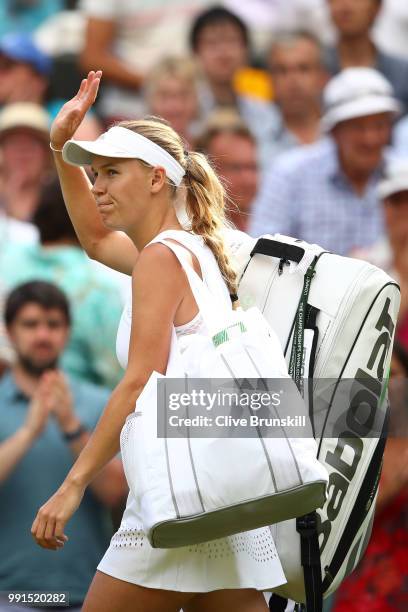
(366,390)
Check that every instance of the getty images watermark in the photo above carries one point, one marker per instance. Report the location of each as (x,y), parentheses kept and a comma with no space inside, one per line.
(230,408)
(274,408)
(220,399)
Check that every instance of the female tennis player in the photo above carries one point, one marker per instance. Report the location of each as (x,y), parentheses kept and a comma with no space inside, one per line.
(143,176)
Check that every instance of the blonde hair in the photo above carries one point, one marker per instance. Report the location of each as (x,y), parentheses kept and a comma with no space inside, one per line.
(205,199)
(182,68)
(223,121)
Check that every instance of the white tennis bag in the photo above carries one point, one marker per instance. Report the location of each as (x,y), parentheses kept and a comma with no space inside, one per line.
(335,318)
(188,489)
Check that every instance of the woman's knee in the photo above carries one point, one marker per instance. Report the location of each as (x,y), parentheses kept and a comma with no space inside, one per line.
(109,594)
(239,600)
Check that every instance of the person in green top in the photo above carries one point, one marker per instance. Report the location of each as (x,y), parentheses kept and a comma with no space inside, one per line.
(95,299)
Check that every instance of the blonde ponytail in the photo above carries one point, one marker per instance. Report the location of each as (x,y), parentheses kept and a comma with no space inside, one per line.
(205,199)
(206,210)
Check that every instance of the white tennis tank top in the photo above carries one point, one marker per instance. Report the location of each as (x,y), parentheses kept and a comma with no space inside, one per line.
(211,276)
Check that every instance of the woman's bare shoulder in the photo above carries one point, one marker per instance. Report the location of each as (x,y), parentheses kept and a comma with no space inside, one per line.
(158,266)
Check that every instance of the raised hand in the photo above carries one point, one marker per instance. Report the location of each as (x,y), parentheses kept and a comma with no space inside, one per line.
(72,113)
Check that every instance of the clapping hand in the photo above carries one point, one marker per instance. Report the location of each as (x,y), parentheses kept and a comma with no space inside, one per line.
(58,398)
(37,414)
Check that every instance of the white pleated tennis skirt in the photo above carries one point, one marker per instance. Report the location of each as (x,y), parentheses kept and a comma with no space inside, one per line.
(246,560)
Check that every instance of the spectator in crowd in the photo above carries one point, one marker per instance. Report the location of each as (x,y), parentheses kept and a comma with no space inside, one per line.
(220,42)
(379,581)
(232,148)
(295,60)
(391,253)
(171,93)
(24,70)
(45,421)
(95,301)
(125,40)
(26,161)
(327,193)
(26,15)
(353,22)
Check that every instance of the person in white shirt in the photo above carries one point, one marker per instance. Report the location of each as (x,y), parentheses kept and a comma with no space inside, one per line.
(126,39)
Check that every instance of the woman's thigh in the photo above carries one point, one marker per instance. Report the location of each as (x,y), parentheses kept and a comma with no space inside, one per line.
(238,600)
(108,594)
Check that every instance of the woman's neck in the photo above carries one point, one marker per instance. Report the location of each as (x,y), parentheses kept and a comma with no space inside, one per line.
(141,235)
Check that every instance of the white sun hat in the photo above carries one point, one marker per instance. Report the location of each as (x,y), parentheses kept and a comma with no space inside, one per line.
(122,143)
(357,92)
(395,179)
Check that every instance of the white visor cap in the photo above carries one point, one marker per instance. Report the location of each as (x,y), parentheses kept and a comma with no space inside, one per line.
(122,143)
(357,92)
(395,179)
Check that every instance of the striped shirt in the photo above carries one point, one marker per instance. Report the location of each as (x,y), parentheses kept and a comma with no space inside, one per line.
(306,195)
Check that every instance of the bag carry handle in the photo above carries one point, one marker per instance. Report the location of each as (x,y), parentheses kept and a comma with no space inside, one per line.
(280,250)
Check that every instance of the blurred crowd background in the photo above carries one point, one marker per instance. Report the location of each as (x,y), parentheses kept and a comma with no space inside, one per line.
(302,107)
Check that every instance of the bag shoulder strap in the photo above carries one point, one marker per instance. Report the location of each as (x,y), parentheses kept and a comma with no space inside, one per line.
(206,302)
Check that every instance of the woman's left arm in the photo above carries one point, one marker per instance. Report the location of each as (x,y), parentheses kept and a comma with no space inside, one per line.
(159,285)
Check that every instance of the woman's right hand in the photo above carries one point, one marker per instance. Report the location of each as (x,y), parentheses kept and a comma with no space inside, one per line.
(49,524)
(72,113)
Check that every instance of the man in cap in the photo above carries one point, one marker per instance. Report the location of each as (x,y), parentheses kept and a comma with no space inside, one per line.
(24,70)
(327,193)
(25,158)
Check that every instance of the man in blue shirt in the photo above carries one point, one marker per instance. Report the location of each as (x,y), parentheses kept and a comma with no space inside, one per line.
(327,193)
(295,60)
(45,421)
